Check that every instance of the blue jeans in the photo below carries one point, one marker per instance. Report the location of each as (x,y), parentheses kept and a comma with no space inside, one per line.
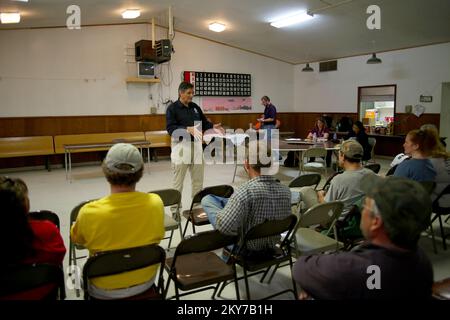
(212,205)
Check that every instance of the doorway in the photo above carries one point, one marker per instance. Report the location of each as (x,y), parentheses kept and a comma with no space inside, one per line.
(444,128)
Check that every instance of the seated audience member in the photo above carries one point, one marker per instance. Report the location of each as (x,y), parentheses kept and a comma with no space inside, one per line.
(261,198)
(26,241)
(320,129)
(419,144)
(124,219)
(440,159)
(359,133)
(390,265)
(345,187)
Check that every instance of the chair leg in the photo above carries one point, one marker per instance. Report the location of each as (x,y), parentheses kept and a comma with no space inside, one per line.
(235,169)
(166,290)
(444,243)
(224,284)
(193,228)
(265,274)
(247,290)
(181,231)
(213,297)
(236,285)
(177,293)
(185,228)
(170,240)
(294,285)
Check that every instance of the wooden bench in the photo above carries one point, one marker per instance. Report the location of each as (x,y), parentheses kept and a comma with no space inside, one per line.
(158,139)
(27,146)
(76,143)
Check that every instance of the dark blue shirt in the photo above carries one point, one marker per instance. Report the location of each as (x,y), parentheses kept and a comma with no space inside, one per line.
(179,116)
(270,112)
(416,169)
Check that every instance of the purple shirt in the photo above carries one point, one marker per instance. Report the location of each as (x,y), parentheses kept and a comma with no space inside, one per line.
(319,133)
(270,112)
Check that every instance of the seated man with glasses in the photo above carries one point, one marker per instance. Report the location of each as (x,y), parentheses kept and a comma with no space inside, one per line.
(390,265)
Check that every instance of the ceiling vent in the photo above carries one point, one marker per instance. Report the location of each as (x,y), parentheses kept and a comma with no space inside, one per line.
(328,66)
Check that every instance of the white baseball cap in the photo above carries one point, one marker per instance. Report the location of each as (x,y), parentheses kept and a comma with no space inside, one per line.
(122,154)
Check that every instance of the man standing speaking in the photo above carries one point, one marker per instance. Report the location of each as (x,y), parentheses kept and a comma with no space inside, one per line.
(185,117)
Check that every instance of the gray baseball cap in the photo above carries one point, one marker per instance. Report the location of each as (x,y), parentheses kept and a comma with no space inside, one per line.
(404,205)
(352,149)
(124,158)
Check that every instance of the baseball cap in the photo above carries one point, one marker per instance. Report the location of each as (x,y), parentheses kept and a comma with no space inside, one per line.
(124,158)
(404,205)
(352,150)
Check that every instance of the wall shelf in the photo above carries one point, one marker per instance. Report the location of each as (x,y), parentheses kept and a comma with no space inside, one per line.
(141,80)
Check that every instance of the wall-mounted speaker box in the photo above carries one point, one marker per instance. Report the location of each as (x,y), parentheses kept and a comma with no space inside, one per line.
(161,53)
(328,66)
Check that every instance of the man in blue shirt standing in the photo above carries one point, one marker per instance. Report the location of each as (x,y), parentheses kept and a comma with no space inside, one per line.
(270,114)
(185,119)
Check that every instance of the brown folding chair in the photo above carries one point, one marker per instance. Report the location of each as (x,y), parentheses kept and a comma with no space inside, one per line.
(116,262)
(20,282)
(261,263)
(171,197)
(197,216)
(194,268)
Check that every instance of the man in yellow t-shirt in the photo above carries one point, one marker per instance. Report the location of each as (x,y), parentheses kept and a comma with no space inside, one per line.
(124,219)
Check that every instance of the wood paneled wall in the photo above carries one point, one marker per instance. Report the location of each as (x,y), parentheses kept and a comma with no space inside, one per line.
(298,122)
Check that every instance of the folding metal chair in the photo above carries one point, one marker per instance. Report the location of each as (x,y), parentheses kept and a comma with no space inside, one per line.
(116,262)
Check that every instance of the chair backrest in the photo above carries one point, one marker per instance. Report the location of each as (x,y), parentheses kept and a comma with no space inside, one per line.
(224,191)
(375,167)
(372,142)
(45,215)
(306,180)
(315,152)
(169,197)
(321,214)
(203,242)
(436,207)
(75,211)
(271,228)
(124,260)
(19,279)
(328,182)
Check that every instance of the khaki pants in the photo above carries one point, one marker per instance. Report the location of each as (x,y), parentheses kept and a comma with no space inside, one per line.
(187,156)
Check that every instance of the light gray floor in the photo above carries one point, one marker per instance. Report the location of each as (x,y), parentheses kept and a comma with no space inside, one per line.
(51,191)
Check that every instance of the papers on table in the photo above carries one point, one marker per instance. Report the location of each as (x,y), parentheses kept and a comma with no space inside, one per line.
(236,138)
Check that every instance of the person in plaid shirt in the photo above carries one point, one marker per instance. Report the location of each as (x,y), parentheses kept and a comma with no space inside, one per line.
(261,198)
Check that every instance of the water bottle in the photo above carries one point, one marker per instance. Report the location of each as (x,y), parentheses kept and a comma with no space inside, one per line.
(335,136)
(314,137)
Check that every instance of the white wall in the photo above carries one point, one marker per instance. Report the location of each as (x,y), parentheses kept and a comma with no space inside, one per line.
(415,71)
(58,72)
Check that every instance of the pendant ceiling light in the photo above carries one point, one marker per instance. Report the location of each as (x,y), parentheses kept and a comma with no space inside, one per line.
(374,59)
(307,68)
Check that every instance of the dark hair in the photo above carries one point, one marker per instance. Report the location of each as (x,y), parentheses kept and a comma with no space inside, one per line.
(360,126)
(321,119)
(122,179)
(16,234)
(265,98)
(185,86)
(427,141)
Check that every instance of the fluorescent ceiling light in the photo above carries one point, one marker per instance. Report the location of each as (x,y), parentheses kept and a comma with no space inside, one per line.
(291,20)
(217,27)
(131,14)
(10,17)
